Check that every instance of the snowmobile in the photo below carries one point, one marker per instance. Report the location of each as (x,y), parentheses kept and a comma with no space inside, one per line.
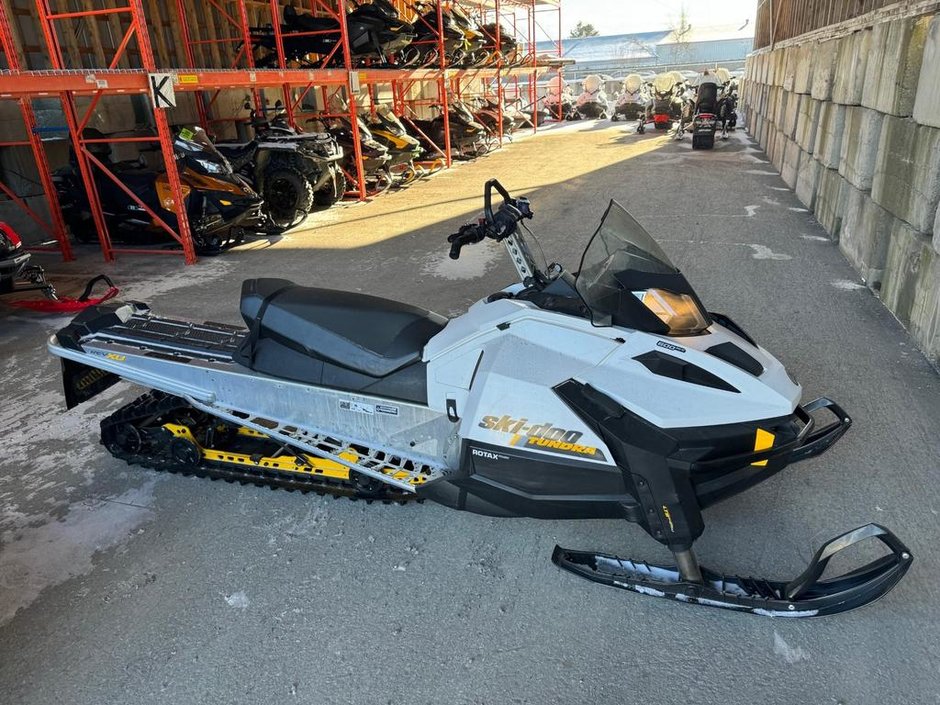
(16,272)
(634,102)
(668,101)
(222,208)
(610,392)
(704,121)
(463,41)
(375,155)
(559,100)
(592,103)
(402,148)
(728,107)
(468,138)
(376,33)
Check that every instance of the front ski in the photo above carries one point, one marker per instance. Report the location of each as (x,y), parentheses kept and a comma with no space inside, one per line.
(806,596)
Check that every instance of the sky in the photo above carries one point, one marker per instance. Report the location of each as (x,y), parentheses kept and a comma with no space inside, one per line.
(626,16)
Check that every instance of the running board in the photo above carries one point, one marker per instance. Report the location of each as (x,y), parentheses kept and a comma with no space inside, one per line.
(806,596)
(404,473)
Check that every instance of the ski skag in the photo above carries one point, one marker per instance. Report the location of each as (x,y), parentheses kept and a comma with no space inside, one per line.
(163,432)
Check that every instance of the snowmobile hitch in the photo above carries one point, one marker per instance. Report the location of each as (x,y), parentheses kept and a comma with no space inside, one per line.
(808,595)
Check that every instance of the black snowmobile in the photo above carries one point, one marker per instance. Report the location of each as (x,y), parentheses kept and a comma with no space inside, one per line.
(705,115)
(610,392)
(376,34)
(222,208)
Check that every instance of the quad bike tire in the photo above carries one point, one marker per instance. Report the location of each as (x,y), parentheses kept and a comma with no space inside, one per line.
(332,192)
(661,125)
(288,196)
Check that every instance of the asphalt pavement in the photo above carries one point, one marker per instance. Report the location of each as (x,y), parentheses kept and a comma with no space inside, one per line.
(120,585)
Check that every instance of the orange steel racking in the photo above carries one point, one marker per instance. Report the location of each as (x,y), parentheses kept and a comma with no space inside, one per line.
(127,72)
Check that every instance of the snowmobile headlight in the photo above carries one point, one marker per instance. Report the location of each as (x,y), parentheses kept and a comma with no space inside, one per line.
(678,311)
(209,167)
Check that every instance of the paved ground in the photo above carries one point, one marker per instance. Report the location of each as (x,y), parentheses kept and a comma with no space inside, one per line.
(124,586)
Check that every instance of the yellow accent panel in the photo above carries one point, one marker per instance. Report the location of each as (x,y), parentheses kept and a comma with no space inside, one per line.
(763,440)
(306,464)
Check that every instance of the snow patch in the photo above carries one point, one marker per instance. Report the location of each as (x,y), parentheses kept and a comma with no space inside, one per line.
(37,557)
(790,654)
(761,172)
(846,285)
(798,210)
(238,600)
(764,252)
(815,238)
(751,211)
(474,262)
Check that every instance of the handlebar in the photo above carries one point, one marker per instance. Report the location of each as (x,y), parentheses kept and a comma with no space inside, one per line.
(497,225)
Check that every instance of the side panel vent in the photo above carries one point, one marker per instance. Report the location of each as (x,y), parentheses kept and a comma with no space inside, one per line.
(669,366)
(732,354)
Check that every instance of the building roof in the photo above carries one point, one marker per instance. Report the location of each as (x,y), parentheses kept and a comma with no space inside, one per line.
(640,45)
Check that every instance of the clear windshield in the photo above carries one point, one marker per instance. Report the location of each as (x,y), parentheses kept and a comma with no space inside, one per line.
(664,82)
(627,280)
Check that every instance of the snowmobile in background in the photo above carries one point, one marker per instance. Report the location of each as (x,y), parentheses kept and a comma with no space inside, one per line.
(468,138)
(634,101)
(16,272)
(559,101)
(592,104)
(293,171)
(669,102)
(509,53)
(728,107)
(375,155)
(221,206)
(704,121)
(402,148)
(607,393)
(463,40)
(376,33)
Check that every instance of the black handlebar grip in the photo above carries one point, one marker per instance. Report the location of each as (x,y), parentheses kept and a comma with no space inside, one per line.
(455,249)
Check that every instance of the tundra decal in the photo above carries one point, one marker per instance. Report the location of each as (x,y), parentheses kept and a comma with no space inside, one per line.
(544,436)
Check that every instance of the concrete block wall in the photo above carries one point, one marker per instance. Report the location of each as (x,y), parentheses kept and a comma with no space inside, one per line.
(853,126)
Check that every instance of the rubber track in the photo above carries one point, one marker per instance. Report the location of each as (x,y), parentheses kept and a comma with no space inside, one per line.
(154,405)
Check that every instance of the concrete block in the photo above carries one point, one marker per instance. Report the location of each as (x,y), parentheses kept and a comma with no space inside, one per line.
(824,58)
(780,106)
(791,113)
(894,65)
(803,78)
(911,287)
(851,65)
(779,152)
(778,59)
(807,180)
(927,100)
(807,122)
(789,67)
(936,232)
(827,146)
(859,151)
(831,195)
(792,155)
(865,235)
(907,172)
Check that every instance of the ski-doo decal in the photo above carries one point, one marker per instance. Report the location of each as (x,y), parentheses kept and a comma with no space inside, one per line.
(545,436)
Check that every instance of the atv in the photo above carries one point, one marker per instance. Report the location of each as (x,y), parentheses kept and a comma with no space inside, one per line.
(610,392)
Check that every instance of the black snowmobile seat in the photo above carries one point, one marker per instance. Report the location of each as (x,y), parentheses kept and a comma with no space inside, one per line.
(707,101)
(335,338)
